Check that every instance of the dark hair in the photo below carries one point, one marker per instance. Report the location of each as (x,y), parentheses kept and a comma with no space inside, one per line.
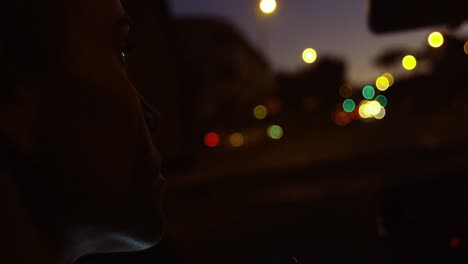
(29,38)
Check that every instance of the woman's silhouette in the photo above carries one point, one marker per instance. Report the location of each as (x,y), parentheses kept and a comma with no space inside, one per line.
(79,171)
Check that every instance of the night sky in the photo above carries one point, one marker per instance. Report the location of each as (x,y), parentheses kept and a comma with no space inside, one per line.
(332,27)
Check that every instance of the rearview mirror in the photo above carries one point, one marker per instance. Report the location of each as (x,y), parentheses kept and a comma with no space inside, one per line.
(395,15)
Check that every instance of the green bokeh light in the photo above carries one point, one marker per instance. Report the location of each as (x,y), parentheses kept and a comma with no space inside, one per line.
(368,92)
(349,105)
(382,100)
(260,112)
(275,132)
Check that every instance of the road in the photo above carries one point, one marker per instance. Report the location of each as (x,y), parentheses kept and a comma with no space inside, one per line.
(316,197)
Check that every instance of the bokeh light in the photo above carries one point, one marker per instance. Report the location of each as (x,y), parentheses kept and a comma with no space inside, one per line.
(349,105)
(309,55)
(373,107)
(342,118)
(455,242)
(409,62)
(363,109)
(273,106)
(236,140)
(435,39)
(268,6)
(275,132)
(369,109)
(466,47)
(368,92)
(390,78)
(382,99)
(346,91)
(212,139)
(381,114)
(260,112)
(382,83)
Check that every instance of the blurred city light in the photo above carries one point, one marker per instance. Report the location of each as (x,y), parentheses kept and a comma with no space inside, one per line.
(390,78)
(346,91)
(273,105)
(374,108)
(349,105)
(260,112)
(212,140)
(409,62)
(236,140)
(363,109)
(309,55)
(435,39)
(369,109)
(275,132)
(368,92)
(268,6)
(382,100)
(455,242)
(381,114)
(466,47)
(382,83)
(342,118)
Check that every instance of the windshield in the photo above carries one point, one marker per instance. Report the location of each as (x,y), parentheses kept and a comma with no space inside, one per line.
(307,81)
(293,134)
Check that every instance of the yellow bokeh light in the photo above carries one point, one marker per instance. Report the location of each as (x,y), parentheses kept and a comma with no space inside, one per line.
(236,140)
(389,77)
(364,109)
(374,108)
(466,47)
(260,112)
(435,39)
(268,6)
(309,55)
(409,62)
(368,109)
(381,114)
(382,83)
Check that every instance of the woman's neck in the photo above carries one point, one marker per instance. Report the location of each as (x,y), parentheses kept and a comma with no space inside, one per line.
(20,241)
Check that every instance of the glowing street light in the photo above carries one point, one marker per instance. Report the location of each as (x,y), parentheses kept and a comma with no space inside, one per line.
(435,39)
(309,55)
(389,77)
(466,47)
(349,105)
(268,6)
(409,62)
(236,140)
(212,140)
(275,132)
(260,112)
(382,83)
(368,92)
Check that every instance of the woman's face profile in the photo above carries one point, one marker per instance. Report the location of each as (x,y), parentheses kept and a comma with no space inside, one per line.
(94,164)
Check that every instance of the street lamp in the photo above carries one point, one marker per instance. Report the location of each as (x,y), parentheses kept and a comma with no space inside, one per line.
(268,6)
(309,55)
(409,62)
(435,39)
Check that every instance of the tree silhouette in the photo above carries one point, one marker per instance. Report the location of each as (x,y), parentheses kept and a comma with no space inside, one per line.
(390,57)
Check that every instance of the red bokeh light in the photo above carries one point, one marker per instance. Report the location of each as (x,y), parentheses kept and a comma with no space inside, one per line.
(455,243)
(273,105)
(212,140)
